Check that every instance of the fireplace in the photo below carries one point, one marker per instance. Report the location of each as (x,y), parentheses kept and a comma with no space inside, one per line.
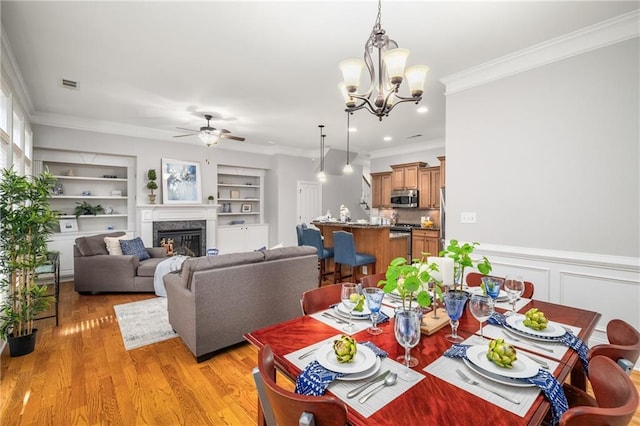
(188,237)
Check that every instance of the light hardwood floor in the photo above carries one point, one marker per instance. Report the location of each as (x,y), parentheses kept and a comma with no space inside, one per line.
(81,374)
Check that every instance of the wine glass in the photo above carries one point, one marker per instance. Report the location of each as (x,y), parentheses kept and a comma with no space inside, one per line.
(349,302)
(407,330)
(514,286)
(492,288)
(454,303)
(481,308)
(374,297)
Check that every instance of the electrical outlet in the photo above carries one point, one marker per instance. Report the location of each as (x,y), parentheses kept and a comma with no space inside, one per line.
(468,217)
(364,270)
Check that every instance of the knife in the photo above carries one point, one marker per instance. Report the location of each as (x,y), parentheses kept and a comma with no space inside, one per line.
(359,389)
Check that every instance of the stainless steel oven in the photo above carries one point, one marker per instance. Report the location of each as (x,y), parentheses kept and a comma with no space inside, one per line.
(404,228)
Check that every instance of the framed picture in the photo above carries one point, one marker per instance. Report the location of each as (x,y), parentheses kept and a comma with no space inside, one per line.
(246,208)
(235,193)
(68,225)
(181,182)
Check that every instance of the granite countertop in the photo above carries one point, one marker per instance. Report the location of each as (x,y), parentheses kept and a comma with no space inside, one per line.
(366,225)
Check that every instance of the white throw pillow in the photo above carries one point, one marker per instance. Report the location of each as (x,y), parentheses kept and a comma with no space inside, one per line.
(113,244)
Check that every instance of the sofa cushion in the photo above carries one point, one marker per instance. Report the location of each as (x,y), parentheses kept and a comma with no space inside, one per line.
(147,268)
(195,264)
(286,252)
(134,247)
(94,245)
(113,245)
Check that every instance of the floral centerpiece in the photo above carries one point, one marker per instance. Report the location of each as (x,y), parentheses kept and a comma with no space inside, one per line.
(461,255)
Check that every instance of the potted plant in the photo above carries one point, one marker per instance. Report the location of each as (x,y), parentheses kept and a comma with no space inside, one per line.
(461,255)
(27,223)
(85,208)
(210,199)
(411,281)
(152,185)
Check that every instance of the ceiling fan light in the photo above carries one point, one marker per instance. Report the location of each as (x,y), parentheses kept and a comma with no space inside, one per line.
(416,76)
(208,138)
(395,61)
(351,71)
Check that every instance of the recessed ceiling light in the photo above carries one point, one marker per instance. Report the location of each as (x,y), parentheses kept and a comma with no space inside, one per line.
(353,129)
(423,109)
(271,142)
(387,138)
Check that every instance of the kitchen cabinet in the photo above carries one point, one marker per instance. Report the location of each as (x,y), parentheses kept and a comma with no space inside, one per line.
(235,239)
(425,240)
(442,171)
(405,176)
(381,190)
(429,188)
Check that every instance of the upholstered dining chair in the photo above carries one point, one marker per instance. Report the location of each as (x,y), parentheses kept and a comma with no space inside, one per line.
(283,407)
(624,343)
(313,237)
(345,254)
(474,279)
(616,397)
(319,299)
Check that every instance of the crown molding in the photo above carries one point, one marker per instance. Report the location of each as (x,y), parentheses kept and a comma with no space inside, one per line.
(408,149)
(605,33)
(11,71)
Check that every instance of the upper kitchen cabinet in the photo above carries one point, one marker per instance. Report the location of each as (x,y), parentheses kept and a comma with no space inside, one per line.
(429,195)
(405,176)
(442,170)
(381,190)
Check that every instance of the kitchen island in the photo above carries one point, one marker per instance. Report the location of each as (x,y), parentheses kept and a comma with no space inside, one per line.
(377,240)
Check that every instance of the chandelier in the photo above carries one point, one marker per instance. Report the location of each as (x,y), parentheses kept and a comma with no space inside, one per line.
(388,76)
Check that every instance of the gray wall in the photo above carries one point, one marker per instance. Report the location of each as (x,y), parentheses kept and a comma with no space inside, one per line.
(549,158)
(428,155)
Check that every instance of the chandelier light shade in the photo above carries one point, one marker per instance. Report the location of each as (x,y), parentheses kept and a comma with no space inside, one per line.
(347,170)
(382,95)
(322,177)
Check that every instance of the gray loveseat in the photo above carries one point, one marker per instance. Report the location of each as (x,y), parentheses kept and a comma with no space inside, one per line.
(94,270)
(215,300)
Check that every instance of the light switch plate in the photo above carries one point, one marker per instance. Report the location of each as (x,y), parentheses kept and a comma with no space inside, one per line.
(468,217)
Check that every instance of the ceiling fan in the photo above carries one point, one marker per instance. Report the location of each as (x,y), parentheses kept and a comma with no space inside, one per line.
(210,135)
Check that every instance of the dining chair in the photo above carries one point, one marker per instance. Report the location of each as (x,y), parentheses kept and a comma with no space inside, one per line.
(474,279)
(313,237)
(299,228)
(319,299)
(372,280)
(624,343)
(616,397)
(345,254)
(283,407)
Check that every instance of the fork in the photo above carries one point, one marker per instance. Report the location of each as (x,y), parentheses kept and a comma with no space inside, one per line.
(335,318)
(517,339)
(479,384)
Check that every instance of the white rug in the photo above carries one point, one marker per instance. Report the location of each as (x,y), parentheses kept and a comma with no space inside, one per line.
(143,323)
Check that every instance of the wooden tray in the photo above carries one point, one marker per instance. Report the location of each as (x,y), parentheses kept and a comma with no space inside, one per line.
(430,325)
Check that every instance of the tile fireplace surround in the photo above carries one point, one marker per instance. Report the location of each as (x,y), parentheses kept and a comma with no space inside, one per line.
(149,213)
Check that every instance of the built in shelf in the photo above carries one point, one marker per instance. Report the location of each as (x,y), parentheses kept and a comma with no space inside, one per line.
(237,213)
(85,178)
(95,197)
(238,199)
(237,185)
(88,216)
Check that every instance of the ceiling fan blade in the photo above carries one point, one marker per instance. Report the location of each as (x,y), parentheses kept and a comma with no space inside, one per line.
(188,130)
(235,138)
(182,136)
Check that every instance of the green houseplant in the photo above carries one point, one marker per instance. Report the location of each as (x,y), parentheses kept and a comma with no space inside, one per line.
(152,185)
(411,281)
(27,223)
(85,208)
(461,255)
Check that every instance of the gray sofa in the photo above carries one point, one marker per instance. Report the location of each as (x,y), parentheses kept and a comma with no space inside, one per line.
(213,301)
(94,270)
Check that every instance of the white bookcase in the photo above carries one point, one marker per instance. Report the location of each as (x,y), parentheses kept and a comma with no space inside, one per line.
(107,180)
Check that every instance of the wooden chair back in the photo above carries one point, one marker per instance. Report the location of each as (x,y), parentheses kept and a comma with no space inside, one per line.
(474,279)
(372,280)
(624,342)
(319,299)
(615,394)
(287,406)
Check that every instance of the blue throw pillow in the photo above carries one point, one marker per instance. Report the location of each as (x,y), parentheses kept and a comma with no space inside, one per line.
(134,247)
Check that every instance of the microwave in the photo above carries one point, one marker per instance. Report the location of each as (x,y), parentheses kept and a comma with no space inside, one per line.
(404,199)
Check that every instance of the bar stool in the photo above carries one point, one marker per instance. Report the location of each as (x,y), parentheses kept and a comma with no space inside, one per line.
(299,229)
(313,237)
(345,254)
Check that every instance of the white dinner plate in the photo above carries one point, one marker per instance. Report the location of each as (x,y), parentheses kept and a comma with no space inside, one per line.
(364,360)
(553,330)
(502,296)
(363,314)
(520,383)
(365,374)
(522,367)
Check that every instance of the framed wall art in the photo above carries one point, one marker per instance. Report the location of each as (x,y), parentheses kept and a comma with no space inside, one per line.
(181,182)
(246,208)
(68,225)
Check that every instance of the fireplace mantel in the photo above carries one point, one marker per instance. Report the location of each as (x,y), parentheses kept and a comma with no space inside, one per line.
(146,214)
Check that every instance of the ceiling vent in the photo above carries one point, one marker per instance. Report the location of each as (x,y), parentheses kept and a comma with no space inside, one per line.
(69,84)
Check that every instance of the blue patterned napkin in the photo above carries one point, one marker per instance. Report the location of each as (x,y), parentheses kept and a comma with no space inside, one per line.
(315,379)
(551,388)
(568,339)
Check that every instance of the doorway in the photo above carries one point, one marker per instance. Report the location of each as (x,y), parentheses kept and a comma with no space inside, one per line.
(309,201)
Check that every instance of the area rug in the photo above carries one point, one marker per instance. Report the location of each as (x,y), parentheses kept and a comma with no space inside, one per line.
(143,323)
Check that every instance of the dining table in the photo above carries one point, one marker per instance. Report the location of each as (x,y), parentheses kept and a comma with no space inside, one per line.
(435,395)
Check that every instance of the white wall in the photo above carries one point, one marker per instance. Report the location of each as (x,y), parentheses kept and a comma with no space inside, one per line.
(429,155)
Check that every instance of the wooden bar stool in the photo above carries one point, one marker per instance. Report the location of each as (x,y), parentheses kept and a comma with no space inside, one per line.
(344,248)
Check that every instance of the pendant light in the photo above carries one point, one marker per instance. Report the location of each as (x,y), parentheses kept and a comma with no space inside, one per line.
(347,170)
(321,176)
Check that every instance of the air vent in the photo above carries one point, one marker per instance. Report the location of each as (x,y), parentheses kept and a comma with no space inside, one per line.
(69,84)
(417,135)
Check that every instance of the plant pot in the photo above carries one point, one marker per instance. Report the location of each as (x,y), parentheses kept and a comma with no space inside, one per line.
(22,345)
(152,198)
